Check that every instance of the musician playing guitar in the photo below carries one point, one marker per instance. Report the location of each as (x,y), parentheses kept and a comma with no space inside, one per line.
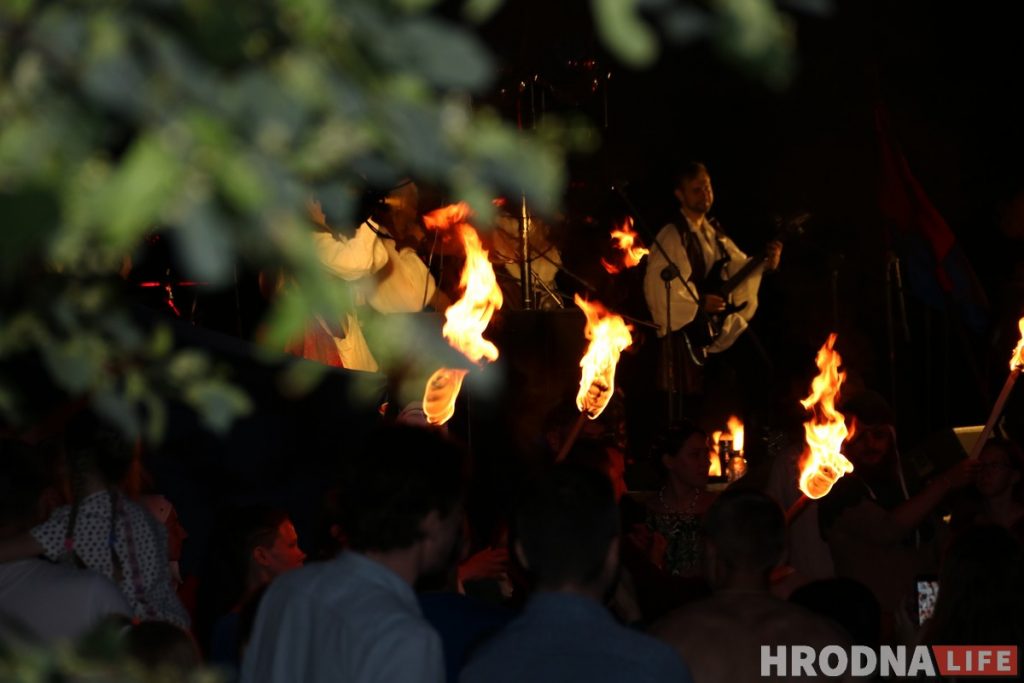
(701,321)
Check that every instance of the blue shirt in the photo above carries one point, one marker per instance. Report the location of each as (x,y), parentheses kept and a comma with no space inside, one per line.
(350,619)
(566,637)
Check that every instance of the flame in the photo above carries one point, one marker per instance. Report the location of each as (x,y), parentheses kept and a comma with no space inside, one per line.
(439,398)
(625,238)
(1017,360)
(736,466)
(822,464)
(609,336)
(714,461)
(466,319)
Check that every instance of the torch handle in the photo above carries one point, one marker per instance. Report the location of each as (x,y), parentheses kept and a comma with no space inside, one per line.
(796,508)
(571,439)
(993,417)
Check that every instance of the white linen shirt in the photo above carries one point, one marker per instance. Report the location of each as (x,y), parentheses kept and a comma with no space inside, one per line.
(350,619)
(683,307)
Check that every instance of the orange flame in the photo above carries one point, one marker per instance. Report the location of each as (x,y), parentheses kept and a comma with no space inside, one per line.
(609,336)
(1017,360)
(466,319)
(625,238)
(735,436)
(439,398)
(822,464)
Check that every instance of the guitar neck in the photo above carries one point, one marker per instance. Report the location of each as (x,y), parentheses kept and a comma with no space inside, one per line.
(749,268)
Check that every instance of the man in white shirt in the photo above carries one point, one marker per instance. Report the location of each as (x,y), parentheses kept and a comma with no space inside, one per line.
(694,244)
(356,618)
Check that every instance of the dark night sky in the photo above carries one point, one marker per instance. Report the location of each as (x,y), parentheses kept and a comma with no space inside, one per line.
(945,71)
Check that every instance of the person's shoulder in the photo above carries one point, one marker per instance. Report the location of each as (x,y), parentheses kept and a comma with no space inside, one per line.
(74,584)
(700,619)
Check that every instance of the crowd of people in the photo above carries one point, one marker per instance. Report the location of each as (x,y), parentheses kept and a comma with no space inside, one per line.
(589,583)
(580,579)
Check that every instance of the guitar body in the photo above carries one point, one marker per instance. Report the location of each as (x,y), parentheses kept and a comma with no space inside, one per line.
(705,328)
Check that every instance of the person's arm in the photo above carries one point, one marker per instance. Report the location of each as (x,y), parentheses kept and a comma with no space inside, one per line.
(19,547)
(914,511)
(870,521)
(353,258)
(682,298)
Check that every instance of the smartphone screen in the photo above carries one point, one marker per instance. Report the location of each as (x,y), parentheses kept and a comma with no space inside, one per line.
(927,594)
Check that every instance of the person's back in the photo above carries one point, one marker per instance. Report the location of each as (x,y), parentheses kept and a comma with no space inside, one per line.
(566,637)
(346,619)
(48,602)
(568,536)
(721,637)
(356,618)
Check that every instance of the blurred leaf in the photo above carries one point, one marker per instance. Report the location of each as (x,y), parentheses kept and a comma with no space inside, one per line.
(218,403)
(300,377)
(30,219)
(78,362)
(287,318)
(15,9)
(446,56)
(188,364)
(758,37)
(415,5)
(624,32)
(160,341)
(821,8)
(110,72)
(479,11)
(138,192)
(685,24)
(205,244)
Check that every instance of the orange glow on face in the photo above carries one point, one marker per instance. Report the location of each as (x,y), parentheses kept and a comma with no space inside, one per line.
(626,240)
(609,336)
(1017,361)
(466,319)
(822,464)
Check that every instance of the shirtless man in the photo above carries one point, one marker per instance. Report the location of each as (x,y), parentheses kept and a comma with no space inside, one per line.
(721,637)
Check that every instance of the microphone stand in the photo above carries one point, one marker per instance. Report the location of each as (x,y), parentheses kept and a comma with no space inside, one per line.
(525,268)
(667,275)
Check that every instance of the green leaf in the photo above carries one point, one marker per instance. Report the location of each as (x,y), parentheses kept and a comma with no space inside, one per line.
(445,56)
(78,362)
(139,191)
(187,364)
(160,342)
(30,218)
(479,11)
(300,377)
(15,10)
(758,37)
(624,32)
(218,403)
(205,245)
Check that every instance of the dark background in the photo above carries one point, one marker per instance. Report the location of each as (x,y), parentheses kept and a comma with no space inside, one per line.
(945,73)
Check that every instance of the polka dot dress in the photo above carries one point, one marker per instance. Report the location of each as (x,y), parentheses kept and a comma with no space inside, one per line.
(146,580)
